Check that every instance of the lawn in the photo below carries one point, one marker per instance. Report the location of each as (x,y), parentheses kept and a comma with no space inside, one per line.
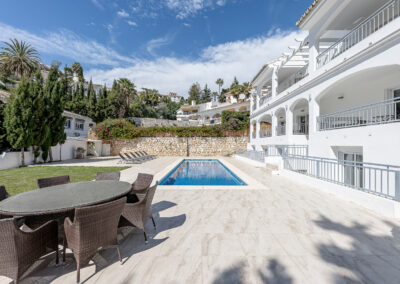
(24,179)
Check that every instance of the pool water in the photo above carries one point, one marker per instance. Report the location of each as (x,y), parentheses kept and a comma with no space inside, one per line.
(201,172)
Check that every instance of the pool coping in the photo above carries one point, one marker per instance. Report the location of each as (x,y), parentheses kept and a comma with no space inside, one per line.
(251,183)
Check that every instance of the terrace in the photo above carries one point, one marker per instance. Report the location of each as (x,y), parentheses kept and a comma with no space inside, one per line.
(275,231)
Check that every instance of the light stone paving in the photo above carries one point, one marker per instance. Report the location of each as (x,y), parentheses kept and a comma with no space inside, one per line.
(281,232)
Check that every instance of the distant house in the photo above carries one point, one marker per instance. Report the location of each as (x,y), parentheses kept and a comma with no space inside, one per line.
(210,113)
(173,97)
(77,125)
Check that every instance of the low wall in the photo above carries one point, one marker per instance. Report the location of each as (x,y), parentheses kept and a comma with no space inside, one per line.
(177,146)
(11,160)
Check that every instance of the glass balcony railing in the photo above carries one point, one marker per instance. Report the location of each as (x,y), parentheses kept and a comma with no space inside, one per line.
(386,14)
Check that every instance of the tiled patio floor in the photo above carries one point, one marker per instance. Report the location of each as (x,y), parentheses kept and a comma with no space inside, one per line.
(280,233)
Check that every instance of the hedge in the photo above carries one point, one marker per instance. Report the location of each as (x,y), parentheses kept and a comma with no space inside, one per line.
(124,129)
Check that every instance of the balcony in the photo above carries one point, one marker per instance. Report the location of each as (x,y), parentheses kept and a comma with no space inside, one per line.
(373,23)
(294,78)
(377,113)
(300,128)
(264,99)
(281,130)
(264,133)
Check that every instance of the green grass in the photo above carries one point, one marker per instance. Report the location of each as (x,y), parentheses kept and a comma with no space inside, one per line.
(24,179)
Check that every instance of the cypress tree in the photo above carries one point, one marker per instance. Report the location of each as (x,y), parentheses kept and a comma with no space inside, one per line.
(40,129)
(18,118)
(4,145)
(92,102)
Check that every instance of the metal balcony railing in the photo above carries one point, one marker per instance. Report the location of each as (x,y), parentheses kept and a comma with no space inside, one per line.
(281,130)
(377,113)
(265,132)
(293,79)
(300,128)
(386,14)
(380,179)
(264,99)
(285,150)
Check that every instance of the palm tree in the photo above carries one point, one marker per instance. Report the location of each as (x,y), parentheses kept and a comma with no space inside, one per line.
(219,82)
(246,88)
(127,90)
(19,58)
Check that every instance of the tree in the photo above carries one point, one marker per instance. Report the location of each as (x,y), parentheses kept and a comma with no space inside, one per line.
(41,129)
(126,90)
(219,82)
(91,102)
(103,109)
(4,144)
(194,93)
(206,95)
(53,97)
(18,118)
(246,89)
(78,71)
(19,58)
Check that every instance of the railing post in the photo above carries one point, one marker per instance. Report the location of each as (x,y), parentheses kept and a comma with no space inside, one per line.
(397,186)
(317,169)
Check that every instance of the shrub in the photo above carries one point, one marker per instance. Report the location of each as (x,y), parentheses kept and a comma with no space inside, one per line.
(124,129)
(232,120)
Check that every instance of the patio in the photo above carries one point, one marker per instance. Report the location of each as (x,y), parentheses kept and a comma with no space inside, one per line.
(280,233)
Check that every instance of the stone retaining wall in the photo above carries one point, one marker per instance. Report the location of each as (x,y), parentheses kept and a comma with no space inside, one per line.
(177,146)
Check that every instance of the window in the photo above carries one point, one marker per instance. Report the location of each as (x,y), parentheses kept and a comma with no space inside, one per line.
(67,123)
(79,124)
(353,173)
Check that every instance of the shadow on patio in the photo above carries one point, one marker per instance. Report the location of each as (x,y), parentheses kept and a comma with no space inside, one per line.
(360,256)
(131,242)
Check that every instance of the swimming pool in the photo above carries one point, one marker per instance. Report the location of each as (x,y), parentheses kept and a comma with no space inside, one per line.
(201,172)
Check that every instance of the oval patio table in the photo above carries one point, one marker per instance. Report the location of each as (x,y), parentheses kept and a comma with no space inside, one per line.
(62,198)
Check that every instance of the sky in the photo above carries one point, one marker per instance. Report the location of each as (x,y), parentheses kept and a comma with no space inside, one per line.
(162,44)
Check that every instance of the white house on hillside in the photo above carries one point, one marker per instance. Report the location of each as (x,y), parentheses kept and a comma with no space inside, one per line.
(333,102)
(210,113)
(77,125)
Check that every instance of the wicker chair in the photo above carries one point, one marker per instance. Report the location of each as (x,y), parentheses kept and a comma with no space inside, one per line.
(20,249)
(138,213)
(142,182)
(46,182)
(3,193)
(94,227)
(108,176)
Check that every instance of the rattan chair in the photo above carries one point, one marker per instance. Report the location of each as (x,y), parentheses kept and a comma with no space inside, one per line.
(108,176)
(20,249)
(142,182)
(46,182)
(3,193)
(94,227)
(137,214)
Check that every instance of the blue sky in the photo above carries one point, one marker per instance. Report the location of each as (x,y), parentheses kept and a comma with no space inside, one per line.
(163,44)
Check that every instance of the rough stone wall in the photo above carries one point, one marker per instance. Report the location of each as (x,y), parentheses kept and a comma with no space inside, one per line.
(176,146)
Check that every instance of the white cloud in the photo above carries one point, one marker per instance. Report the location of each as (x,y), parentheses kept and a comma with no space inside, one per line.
(67,44)
(97,4)
(240,58)
(156,43)
(123,14)
(132,23)
(186,8)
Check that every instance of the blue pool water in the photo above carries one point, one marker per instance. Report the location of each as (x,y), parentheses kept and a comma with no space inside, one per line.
(201,172)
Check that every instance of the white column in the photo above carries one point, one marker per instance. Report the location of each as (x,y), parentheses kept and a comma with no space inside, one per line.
(274,84)
(289,122)
(313,54)
(258,95)
(274,123)
(252,99)
(257,129)
(251,129)
(313,114)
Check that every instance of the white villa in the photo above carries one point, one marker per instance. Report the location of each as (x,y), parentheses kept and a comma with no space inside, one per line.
(331,105)
(77,125)
(210,113)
